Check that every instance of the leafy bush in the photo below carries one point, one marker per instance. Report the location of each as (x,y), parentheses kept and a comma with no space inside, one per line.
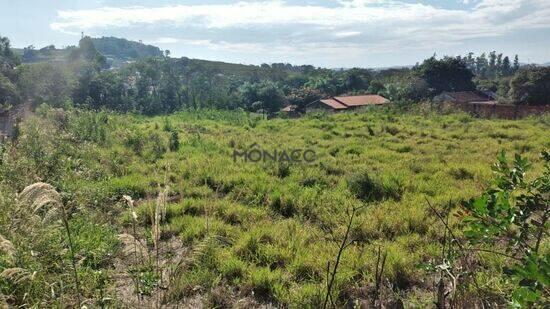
(174,143)
(513,216)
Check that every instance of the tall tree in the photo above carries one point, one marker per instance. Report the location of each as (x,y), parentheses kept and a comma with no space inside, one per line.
(515,67)
(470,62)
(531,86)
(447,74)
(29,53)
(482,65)
(8,59)
(492,64)
(499,64)
(506,66)
(8,92)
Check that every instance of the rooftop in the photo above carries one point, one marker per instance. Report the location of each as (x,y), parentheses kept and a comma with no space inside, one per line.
(334,104)
(360,100)
(344,102)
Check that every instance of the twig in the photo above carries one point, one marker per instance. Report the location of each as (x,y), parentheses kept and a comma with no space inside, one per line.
(71,246)
(343,246)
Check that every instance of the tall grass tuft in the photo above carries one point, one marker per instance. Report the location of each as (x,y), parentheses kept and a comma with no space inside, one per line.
(16,275)
(45,203)
(371,189)
(7,247)
(129,240)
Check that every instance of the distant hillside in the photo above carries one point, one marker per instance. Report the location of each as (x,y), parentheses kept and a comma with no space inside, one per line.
(120,52)
(122,49)
(46,54)
(117,51)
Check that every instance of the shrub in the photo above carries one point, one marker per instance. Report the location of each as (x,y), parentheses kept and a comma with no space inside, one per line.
(174,143)
(370,189)
(513,216)
(461,173)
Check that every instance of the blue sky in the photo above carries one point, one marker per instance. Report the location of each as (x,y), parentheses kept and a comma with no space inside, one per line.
(328,33)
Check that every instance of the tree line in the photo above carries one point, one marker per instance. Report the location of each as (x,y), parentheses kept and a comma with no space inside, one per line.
(160,84)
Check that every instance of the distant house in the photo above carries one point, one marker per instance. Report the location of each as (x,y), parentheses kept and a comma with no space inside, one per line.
(463,97)
(291,111)
(347,102)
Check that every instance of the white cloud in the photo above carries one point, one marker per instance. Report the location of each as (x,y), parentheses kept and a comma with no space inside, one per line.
(242,14)
(346,34)
(386,23)
(163,40)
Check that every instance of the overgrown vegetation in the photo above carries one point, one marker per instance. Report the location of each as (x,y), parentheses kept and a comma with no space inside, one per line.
(159,213)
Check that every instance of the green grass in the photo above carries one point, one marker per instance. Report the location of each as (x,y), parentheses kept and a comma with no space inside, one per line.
(273,218)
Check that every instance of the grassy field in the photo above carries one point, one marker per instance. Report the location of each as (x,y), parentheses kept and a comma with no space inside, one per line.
(259,232)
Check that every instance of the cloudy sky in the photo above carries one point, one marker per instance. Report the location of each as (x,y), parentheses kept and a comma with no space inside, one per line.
(329,33)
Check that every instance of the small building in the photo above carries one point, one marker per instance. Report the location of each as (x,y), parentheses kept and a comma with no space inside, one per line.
(463,97)
(335,104)
(291,111)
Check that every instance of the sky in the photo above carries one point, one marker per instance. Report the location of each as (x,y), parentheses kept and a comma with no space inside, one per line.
(326,33)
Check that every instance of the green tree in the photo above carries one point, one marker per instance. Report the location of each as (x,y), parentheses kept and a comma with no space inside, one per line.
(447,74)
(8,59)
(262,97)
(107,90)
(492,64)
(531,86)
(29,53)
(482,65)
(356,79)
(8,92)
(44,83)
(87,52)
(506,66)
(376,87)
(516,65)
(303,96)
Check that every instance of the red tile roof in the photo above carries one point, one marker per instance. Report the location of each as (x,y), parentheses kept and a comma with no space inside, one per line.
(360,100)
(334,104)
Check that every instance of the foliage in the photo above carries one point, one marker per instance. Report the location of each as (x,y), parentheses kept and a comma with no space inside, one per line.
(513,215)
(174,143)
(447,74)
(531,86)
(8,92)
(491,67)
(263,96)
(269,220)
(8,59)
(303,96)
(45,83)
(86,51)
(125,50)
